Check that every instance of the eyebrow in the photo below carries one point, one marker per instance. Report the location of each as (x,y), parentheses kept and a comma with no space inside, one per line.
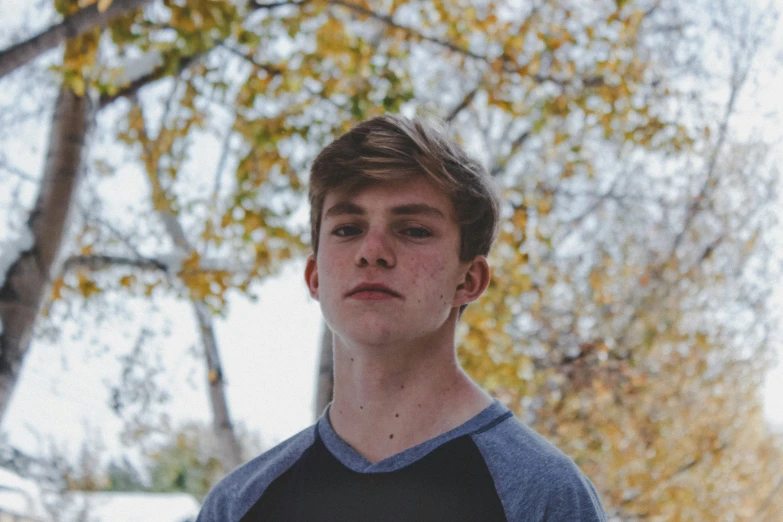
(412,209)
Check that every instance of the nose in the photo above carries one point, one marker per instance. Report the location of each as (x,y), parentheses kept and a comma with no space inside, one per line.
(375,249)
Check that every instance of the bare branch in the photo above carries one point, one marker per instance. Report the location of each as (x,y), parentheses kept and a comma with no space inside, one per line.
(88,217)
(102,262)
(391,23)
(159,72)
(76,24)
(740,73)
(19,173)
(682,469)
(251,60)
(465,102)
(515,146)
(509,64)
(273,5)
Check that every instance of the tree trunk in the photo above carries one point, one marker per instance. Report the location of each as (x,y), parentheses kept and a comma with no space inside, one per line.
(76,24)
(325,381)
(230,452)
(26,282)
(224,430)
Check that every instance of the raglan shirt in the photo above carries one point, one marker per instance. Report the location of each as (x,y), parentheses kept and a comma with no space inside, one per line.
(491,468)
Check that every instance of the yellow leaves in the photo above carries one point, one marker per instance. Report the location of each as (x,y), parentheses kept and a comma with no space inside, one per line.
(135,126)
(69,7)
(519,218)
(57,288)
(560,137)
(544,205)
(203,284)
(525,368)
(86,286)
(103,5)
(560,105)
(495,99)
(603,395)
(523,283)
(127,281)
(596,281)
(332,38)
(79,59)
(257,84)
(191,263)
(253,221)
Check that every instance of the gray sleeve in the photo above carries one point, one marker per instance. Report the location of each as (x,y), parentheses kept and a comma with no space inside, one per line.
(233,496)
(535,481)
(572,497)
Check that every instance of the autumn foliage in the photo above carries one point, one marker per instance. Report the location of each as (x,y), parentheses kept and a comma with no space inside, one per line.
(628,317)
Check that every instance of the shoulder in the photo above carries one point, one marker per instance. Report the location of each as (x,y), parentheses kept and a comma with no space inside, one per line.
(533,477)
(236,493)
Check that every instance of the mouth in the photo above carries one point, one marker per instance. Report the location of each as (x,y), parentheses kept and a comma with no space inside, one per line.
(372,292)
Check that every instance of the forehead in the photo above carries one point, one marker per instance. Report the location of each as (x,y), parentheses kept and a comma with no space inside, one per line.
(412,196)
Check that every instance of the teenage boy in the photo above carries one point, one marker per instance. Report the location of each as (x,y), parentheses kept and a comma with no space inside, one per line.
(402,221)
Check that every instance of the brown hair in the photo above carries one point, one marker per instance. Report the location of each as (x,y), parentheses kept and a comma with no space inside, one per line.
(388,148)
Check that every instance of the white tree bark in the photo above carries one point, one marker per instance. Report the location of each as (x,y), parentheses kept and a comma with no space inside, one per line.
(224,430)
(25,285)
(26,282)
(230,451)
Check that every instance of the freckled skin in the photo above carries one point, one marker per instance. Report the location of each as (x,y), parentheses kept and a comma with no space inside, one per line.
(382,247)
(402,235)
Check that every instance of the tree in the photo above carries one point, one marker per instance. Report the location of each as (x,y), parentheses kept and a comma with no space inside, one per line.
(629,317)
(123,476)
(211,40)
(25,281)
(629,294)
(189,461)
(92,17)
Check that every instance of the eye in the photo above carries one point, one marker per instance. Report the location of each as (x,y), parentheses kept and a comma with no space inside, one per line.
(346,231)
(417,232)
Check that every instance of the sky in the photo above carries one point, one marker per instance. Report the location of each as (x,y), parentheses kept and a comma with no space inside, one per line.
(269,355)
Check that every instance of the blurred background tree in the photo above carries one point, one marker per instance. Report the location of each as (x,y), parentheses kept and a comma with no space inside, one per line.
(629,319)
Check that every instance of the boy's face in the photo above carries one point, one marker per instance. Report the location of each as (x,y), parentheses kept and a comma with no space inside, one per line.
(388,268)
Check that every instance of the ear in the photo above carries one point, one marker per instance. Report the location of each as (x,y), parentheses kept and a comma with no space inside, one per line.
(474,282)
(311,276)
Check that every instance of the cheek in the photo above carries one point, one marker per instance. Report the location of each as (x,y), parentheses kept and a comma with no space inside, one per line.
(433,274)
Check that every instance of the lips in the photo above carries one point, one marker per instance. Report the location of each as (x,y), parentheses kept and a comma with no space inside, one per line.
(372,289)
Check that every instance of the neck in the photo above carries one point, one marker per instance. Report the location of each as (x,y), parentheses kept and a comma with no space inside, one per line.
(390,398)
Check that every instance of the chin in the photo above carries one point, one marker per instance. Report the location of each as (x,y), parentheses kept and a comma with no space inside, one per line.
(370,332)
(367,329)
(371,327)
